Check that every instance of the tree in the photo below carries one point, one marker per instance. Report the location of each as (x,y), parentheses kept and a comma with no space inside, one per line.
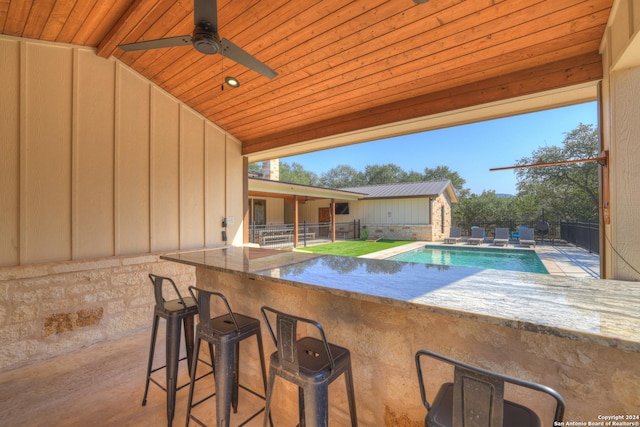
(255,168)
(486,210)
(296,174)
(413,176)
(341,176)
(384,174)
(565,191)
(440,173)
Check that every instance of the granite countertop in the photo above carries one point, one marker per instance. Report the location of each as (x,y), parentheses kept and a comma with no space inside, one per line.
(605,312)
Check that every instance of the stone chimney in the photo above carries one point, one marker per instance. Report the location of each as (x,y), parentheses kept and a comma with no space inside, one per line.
(271,169)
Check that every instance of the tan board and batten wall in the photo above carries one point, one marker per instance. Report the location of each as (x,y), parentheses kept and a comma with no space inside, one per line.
(97,161)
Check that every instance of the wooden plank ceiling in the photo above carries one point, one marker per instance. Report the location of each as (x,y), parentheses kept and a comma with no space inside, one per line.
(343,65)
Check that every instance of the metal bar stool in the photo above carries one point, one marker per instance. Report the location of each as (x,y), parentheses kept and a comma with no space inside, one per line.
(310,363)
(175,312)
(225,332)
(476,397)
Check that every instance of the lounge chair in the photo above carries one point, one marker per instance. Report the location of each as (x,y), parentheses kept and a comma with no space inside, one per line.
(477,236)
(526,237)
(455,234)
(515,235)
(502,237)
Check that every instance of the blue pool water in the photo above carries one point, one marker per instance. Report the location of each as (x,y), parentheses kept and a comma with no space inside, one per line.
(497,259)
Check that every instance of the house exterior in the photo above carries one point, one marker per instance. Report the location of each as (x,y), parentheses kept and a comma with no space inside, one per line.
(286,206)
(405,211)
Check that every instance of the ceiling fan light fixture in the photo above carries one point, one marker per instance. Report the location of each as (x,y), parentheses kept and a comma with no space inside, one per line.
(232,81)
(205,39)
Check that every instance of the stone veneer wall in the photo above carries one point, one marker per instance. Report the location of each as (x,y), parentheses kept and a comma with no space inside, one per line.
(51,309)
(595,380)
(401,231)
(439,230)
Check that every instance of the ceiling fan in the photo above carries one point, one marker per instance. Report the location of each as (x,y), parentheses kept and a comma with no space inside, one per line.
(206,40)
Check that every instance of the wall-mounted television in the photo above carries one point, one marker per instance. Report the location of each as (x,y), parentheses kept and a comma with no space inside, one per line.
(342,208)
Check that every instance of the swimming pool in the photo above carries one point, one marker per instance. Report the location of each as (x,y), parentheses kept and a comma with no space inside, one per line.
(497,259)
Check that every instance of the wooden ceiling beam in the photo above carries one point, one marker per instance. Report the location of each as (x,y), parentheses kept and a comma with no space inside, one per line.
(16,16)
(176,20)
(385,74)
(352,101)
(447,100)
(205,74)
(59,16)
(4,11)
(37,19)
(131,20)
(76,21)
(152,62)
(496,89)
(342,65)
(359,99)
(368,35)
(93,27)
(185,83)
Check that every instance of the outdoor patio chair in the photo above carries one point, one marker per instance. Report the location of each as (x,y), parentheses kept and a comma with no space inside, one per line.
(515,235)
(455,234)
(501,237)
(476,397)
(526,237)
(543,229)
(177,313)
(223,332)
(310,363)
(477,236)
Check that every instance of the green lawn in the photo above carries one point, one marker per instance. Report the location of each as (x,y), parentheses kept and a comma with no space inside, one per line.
(353,247)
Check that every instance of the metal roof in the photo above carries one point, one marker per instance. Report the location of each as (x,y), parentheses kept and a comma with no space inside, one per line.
(405,189)
(269,188)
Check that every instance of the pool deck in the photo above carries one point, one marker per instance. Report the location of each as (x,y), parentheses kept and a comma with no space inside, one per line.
(560,259)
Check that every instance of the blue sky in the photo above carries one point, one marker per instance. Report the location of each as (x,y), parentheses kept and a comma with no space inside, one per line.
(471,150)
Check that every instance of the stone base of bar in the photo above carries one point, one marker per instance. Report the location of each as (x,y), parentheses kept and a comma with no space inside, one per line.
(47,310)
(383,339)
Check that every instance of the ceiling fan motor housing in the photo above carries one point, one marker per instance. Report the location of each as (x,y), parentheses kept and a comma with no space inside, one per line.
(205,39)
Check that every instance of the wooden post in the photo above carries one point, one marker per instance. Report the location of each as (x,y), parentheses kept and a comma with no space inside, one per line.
(333,220)
(295,221)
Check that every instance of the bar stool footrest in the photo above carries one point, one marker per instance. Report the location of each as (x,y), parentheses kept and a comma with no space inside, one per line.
(245,422)
(153,380)
(255,393)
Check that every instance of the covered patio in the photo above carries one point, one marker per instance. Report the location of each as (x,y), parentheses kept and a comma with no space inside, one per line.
(113,159)
(281,234)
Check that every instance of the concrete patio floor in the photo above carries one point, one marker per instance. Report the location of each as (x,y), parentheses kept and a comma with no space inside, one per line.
(569,260)
(103,385)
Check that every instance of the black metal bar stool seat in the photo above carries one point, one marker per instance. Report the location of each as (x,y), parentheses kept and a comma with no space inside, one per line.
(176,312)
(476,397)
(310,363)
(224,332)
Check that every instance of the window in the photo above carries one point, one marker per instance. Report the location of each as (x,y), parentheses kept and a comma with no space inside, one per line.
(259,212)
(342,208)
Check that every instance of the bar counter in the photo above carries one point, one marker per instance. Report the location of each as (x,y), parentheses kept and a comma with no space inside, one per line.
(579,336)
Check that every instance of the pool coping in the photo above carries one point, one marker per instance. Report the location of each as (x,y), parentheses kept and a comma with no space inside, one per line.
(559,259)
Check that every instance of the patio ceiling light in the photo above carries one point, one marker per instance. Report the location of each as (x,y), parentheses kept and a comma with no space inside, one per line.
(232,81)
